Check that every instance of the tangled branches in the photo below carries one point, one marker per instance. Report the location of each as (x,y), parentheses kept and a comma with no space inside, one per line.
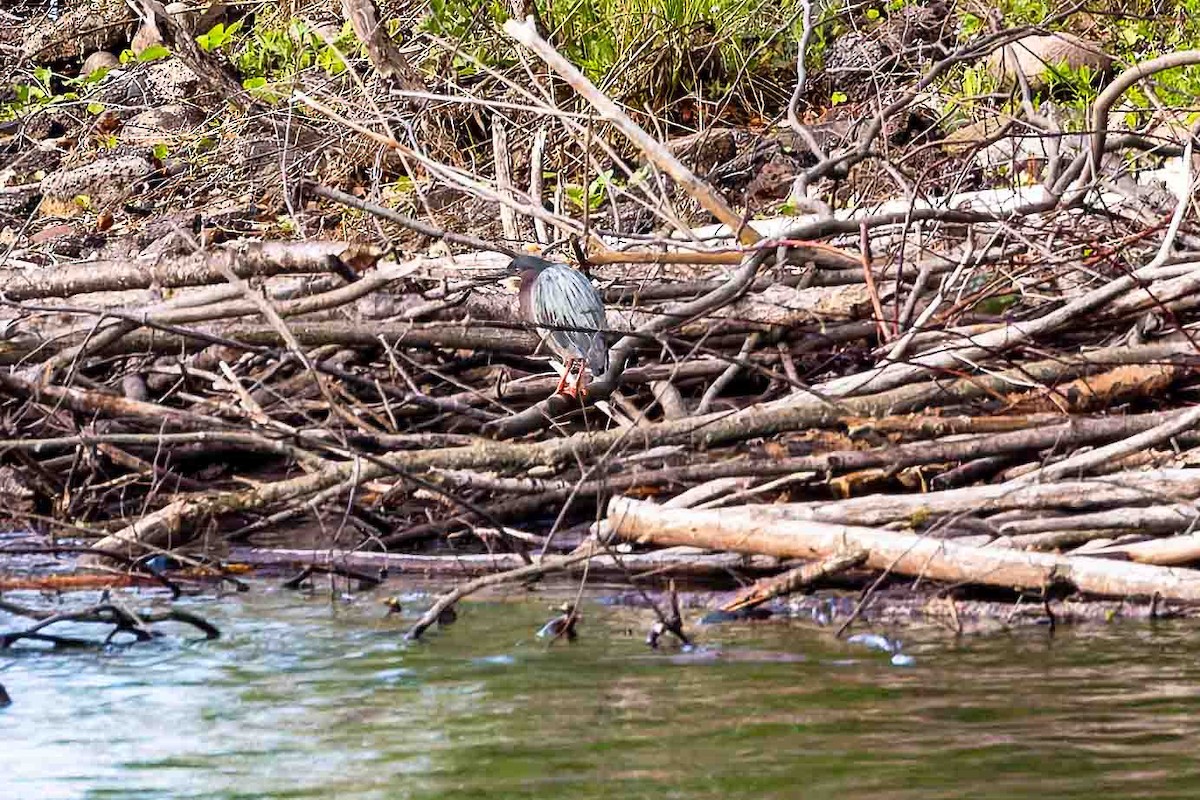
(360,379)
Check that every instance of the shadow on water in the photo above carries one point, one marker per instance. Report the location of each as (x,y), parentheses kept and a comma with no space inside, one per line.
(304,699)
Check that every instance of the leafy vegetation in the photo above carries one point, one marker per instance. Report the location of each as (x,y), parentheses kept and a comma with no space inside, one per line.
(42,88)
(674,55)
(639,51)
(1129,31)
(274,51)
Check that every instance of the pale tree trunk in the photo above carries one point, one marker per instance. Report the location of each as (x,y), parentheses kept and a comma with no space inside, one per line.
(746,530)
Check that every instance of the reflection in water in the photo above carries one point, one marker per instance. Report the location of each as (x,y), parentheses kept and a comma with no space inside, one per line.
(303,699)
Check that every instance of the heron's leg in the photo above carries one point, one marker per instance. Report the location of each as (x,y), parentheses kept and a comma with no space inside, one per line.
(562,381)
(570,390)
(580,389)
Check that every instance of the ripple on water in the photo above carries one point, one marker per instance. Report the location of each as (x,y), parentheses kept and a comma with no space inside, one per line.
(312,699)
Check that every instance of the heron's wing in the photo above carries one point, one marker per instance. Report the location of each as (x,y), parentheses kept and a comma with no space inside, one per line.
(565,298)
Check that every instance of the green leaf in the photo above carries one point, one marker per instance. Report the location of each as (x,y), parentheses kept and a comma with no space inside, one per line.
(331,61)
(153,53)
(997,304)
(95,108)
(260,87)
(161,151)
(574,195)
(602,180)
(837,98)
(872,14)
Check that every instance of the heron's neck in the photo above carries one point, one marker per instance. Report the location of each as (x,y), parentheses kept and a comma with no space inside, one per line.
(528,276)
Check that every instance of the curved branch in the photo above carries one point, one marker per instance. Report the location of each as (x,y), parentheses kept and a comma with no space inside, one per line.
(1118,87)
(801,79)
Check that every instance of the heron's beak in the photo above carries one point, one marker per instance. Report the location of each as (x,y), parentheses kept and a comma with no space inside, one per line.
(512,283)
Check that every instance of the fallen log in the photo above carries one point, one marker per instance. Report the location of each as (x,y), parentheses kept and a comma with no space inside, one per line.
(744,530)
(1156,488)
(246,259)
(1172,551)
(683,562)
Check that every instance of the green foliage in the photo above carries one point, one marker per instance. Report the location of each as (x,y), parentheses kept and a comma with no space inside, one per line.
(219,36)
(262,89)
(1077,86)
(600,187)
(95,76)
(1131,30)
(974,85)
(969,25)
(153,53)
(458,21)
(997,304)
(594,196)
(39,91)
(977,81)
(638,51)
(1027,12)
(279,51)
(1147,29)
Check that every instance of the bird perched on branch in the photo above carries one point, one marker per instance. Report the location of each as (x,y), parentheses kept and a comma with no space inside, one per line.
(569,315)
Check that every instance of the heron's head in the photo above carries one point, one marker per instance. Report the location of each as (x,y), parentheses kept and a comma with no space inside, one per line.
(522,264)
(523,271)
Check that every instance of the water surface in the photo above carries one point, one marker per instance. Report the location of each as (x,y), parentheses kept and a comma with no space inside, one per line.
(308,698)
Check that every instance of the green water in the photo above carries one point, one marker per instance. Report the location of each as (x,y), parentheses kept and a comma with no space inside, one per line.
(304,698)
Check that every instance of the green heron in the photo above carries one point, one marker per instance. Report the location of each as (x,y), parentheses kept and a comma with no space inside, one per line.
(564,300)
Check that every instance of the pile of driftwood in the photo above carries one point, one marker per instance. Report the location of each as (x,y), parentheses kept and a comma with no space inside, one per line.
(990,388)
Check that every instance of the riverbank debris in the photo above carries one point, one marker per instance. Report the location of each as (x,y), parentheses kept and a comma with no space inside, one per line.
(253,312)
